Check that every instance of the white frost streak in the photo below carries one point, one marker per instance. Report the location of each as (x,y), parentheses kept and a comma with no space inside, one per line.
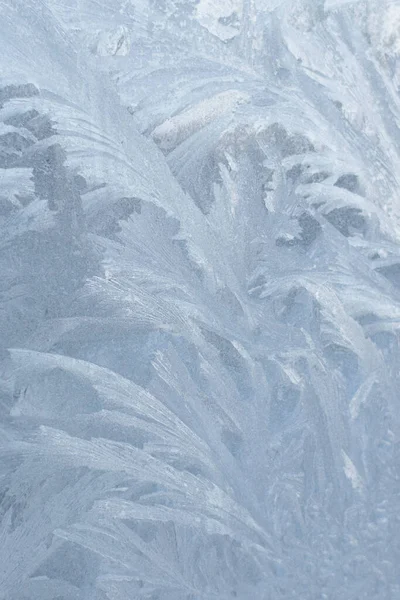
(176,129)
(352,473)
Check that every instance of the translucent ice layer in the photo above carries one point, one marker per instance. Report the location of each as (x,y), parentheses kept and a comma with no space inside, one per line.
(199,300)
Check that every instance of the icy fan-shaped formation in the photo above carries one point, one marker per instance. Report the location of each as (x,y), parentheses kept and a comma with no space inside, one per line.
(199,300)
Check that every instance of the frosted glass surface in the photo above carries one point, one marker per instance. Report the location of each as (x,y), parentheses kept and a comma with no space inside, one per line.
(199,299)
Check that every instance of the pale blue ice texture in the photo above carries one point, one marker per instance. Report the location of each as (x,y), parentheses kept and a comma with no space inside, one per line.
(199,299)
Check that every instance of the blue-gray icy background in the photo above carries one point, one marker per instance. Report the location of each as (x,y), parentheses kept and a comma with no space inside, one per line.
(199,299)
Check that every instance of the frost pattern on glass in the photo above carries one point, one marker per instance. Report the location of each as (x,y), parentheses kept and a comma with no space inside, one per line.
(199,299)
